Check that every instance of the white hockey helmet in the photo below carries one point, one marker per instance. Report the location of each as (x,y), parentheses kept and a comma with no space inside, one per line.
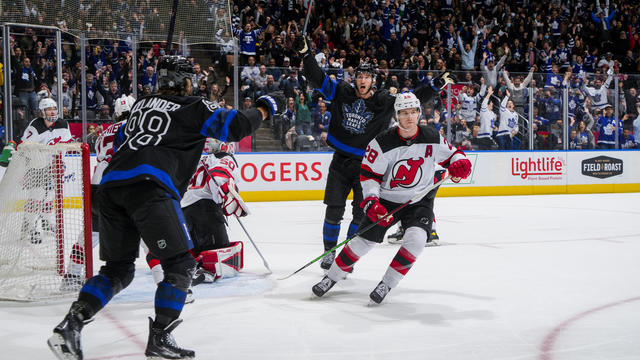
(406,100)
(48,103)
(123,104)
(214,146)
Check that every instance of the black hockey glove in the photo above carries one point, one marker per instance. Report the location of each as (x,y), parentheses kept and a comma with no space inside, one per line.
(301,45)
(439,82)
(275,103)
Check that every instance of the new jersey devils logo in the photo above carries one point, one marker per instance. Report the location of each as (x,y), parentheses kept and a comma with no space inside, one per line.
(407,173)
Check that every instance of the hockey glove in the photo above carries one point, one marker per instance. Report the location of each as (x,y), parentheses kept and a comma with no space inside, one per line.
(439,82)
(301,45)
(7,152)
(232,203)
(275,103)
(460,169)
(375,211)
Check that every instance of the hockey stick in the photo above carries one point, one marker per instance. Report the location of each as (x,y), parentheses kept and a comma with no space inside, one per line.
(306,22)
(242,204)
(414,199)
(172,23)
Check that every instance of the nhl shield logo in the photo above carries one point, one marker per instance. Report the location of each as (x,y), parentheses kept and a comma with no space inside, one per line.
(162,243)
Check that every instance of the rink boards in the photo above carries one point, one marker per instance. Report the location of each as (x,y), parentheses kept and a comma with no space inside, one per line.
(302,176)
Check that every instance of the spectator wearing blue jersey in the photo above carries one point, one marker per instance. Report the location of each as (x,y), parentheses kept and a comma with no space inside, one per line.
(627,141)
(149,79)
(606,127)
(249,39)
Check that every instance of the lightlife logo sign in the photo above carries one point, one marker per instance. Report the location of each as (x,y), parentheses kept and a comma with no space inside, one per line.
(542,168)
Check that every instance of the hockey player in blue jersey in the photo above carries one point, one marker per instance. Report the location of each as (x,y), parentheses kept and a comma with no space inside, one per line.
(156,154)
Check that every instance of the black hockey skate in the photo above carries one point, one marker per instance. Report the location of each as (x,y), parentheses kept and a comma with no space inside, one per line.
(327,260)
(189,299)
(65,341)
(378,294)
(396,237)
(433,239)
(162,345)
(323,286)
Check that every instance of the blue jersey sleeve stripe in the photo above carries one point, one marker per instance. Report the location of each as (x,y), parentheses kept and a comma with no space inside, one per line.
(183,222)
(344,147)
(211,121)
(141,170)
(328,88)
(227,121)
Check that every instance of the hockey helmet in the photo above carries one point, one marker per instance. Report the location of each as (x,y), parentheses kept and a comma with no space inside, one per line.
(406,100)
(366,68)
(172,71)
(48,103)
(123,104)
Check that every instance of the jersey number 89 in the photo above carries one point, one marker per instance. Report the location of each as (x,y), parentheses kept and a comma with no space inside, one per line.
(146,128)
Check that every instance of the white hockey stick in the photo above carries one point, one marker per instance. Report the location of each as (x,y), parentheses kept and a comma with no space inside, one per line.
(241,203)
(306,22)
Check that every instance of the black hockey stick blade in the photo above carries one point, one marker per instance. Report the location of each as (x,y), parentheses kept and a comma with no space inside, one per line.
(416,198)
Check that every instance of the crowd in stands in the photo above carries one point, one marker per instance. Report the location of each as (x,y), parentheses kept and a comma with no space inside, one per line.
(509,47)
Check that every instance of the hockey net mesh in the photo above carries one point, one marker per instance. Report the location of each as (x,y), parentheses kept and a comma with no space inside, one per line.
(197,21)
(41,217)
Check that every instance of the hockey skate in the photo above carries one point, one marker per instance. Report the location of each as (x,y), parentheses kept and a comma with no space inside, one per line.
(378,294)
(65,341)
(323,286)
(433,239)
(327,260)
(162,345)
(189,299)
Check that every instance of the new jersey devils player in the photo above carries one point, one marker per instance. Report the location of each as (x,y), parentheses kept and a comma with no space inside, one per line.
(398,164)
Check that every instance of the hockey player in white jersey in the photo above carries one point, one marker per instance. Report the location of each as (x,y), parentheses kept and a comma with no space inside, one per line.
(104,151)
(46,129)
(487,122)
(508,127)
(468,101)
(398,164)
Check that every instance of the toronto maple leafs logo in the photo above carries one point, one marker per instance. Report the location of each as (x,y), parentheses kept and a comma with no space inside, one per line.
(356,117)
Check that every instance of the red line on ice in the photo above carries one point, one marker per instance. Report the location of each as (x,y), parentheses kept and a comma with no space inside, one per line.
(547,345)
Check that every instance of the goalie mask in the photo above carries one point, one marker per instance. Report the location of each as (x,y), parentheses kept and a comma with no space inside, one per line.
(48,109)
(173,71)
(215,146)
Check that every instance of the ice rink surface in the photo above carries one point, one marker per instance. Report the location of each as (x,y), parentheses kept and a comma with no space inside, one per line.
(518,277)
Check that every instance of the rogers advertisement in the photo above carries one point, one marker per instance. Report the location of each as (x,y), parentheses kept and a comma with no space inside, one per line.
(282,171)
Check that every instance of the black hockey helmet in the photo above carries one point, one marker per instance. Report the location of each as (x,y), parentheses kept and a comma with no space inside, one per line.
(367,68)
(172,71)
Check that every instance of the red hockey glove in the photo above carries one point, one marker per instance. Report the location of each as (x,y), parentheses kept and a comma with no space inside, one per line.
(460,169)
(375,211)
(232,203)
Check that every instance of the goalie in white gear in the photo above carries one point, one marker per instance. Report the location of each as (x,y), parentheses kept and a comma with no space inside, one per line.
(211,196)
(39,216)
(105,147)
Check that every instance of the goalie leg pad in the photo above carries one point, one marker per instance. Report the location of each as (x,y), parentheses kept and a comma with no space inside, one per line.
(224,262)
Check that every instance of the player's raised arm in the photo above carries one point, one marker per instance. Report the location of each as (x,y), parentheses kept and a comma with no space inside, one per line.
(316,76)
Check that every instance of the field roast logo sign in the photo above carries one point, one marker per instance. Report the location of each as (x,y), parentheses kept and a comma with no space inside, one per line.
(602,167)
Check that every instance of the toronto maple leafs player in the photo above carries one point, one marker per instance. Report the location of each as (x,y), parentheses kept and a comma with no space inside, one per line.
(359,113)
(157,152)
(398,164)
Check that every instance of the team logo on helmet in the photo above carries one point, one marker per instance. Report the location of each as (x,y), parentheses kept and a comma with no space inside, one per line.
(407,173)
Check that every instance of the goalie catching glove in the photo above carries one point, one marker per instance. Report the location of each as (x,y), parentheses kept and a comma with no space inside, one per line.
(374,210)
(231,202)
(460,169)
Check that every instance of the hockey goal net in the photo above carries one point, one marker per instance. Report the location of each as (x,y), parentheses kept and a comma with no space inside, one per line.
(45,222)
